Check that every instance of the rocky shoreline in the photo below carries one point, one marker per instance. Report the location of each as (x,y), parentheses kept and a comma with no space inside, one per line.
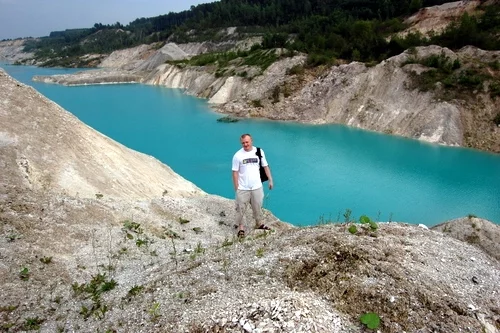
(347,94)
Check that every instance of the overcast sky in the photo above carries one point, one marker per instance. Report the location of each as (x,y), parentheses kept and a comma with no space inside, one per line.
(36,18)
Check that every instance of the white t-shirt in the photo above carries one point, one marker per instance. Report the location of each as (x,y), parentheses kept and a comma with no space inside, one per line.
(247,165)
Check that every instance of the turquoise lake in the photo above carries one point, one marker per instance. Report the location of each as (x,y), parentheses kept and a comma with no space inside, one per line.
(319,171)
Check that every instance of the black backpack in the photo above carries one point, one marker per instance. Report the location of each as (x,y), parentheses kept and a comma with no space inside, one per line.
(263,176)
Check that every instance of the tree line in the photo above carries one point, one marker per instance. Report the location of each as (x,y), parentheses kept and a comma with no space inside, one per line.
(325,29)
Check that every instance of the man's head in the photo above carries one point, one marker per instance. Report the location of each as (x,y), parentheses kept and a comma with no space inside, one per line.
(246,142)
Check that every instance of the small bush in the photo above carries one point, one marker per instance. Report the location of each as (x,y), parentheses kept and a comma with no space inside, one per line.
(296,70)
(371,320)
(46,260)
(471,78)
(256,103)
(199,249)
(315,60)
(261,59)
(473,238)
(440,61)
(226,243)
(219,73)
(204,59)
(496,120)
(132,227)
(140,242)
(24,273)
(495,65)
(495,90)
(134,291)
(32,324)
(276,94)
(183,221)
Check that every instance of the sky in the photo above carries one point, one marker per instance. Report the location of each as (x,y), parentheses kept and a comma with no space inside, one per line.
(37,18)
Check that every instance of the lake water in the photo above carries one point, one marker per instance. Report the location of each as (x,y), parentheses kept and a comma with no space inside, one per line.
(319,171)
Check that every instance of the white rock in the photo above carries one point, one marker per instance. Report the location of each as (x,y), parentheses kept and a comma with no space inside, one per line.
(248,327)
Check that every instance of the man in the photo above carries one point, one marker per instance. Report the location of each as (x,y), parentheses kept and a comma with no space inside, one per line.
(247,183)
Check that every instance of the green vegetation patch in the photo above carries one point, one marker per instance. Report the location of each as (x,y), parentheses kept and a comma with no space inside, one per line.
(33,323)
(371,320)
(261,58)
(222,60)
(456,78)
(93,290)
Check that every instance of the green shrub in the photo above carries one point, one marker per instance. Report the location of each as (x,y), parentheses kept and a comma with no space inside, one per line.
(183,220)
(24,273)
(262,59)
(204,59)
(256,103)
(441,62)
(315,60)
(495,65)
(495,90)
(296,70)
(470,78)
(496,120)
(134,291)
(46,260)
(276,94)
(371,320)
(33,324)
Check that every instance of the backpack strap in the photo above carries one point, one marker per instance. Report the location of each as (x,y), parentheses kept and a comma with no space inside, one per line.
(259,155)
(263,175)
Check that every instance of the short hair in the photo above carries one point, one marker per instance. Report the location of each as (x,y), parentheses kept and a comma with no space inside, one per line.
(245,135)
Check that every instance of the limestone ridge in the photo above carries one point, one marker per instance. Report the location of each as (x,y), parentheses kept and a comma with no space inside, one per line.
(12,51)
(153,253)
(378,98)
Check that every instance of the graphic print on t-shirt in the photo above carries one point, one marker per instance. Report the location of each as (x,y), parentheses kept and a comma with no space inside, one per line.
(250,160)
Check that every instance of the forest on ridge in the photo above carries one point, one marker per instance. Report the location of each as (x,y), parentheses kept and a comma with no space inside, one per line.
(361,30)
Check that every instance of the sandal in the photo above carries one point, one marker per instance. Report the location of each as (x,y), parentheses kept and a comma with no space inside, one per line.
(263,227)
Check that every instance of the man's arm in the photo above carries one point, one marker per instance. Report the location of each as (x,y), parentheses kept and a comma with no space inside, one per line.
(235,180)
(269,176)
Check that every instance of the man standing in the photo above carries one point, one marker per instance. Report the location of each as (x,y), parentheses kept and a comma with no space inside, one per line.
(247,183)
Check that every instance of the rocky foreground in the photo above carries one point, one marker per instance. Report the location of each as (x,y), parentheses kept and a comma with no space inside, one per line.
(99,238)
